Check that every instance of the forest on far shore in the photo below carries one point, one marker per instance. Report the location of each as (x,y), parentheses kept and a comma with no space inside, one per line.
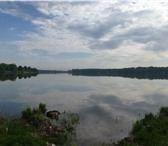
(14,69)
(12,72)
(133,72)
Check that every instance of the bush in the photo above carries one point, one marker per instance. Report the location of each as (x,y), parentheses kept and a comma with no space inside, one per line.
(27,114)
(42,108)
(34,129)
(152,130)
(163,112)
(35,116)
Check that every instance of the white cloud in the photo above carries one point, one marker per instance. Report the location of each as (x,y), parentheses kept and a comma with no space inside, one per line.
(12,28)
(118,32)
(13,9)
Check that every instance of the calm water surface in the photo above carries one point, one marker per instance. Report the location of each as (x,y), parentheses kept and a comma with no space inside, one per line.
(107,106)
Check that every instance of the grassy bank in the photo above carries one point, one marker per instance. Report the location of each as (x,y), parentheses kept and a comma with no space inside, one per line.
(152,130)
(36,129)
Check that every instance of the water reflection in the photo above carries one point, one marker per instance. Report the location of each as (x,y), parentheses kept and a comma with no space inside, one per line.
(107,106)
(108,117)
(11,109)
(13,77)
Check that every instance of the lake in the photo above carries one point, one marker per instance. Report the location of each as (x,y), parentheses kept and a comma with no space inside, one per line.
(107,106)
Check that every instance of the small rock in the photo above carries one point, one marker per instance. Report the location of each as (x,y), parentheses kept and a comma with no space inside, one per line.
(53,114)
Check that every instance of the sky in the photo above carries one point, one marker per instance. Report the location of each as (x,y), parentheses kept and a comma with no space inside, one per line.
(84,34)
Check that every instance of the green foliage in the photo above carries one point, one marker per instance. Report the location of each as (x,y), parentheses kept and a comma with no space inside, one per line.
(60,139)
(2,69)
(70,121)
(11,72)
(2,119)
(35,116)
(27,114)
(133,72)
(42,108)
(35,129)
(152,130)
(20,68)
(125,143)
(163,112)
(17,133)
(13,68)
(59,133)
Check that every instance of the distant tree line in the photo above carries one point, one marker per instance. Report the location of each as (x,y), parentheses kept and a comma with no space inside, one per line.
(12,71)
(51,71)
(133,72)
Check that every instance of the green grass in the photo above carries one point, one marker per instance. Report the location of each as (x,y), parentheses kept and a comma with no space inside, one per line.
(18,133)
(152,130)
(35,129)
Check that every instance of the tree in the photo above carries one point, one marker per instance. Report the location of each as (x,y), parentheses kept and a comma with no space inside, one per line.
(2,69)
(20,69)
(13,68)
(25,68)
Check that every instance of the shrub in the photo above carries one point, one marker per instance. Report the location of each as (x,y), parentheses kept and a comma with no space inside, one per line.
(42,108)
(27,114)
(35,116)
(163,112)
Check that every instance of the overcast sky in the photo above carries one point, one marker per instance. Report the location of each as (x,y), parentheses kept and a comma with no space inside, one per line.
(84,34)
